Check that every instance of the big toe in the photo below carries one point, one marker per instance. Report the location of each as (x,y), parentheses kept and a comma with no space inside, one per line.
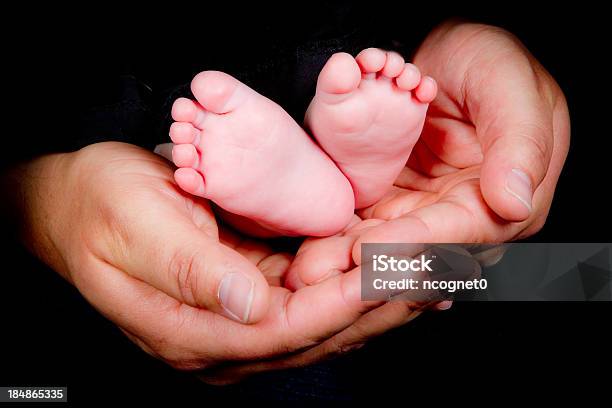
(340,75)
(218,92)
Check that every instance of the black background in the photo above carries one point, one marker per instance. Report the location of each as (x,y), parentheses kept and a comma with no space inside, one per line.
(50,335)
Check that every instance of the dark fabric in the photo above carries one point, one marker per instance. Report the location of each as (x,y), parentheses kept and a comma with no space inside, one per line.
(51,335)
(114,77)
(102,74)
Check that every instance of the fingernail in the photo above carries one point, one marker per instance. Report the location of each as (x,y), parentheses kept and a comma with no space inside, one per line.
(445,305)
(519,185)
(236,296)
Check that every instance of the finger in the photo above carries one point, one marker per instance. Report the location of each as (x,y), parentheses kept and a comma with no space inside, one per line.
(453,219)
(427,162)
(176,257)
(295,320)
(185,337)
(372,324)
(514,123)
(308,316)
(488,255)
(299,320)
(150,317)
(444,305)
(274,267)
(321,258)
(253,250)
(450,142)
(182,333)
(544,194)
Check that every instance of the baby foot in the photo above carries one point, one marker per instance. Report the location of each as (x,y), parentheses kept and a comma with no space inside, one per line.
(246,154)
(367,114)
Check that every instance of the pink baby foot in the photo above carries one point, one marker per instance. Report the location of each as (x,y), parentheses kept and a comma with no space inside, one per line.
(246,154)
(367,114)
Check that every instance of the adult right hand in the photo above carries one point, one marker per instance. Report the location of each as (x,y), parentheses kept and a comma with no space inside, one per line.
(111,220)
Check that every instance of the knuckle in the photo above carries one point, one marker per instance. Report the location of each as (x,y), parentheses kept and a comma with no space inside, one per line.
(538,147)
(339,348)
(183,267)
(296,341)
(406,308)
(532,227)
(537,224)
(485,34)
(538,137)
(178,355)
(187,364)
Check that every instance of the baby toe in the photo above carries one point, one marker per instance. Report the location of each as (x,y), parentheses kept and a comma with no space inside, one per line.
(426,91)
(394,65)
(184,132)
(186,110)
(371,60)
(190,181)
(185,155)
(409,78)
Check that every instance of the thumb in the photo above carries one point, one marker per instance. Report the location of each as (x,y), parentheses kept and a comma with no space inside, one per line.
(182,261)
(514,124)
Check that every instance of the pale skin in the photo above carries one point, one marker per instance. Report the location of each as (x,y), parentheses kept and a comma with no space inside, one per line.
(247,155)
(83,212)
(497,110)
(367,114)
(164,294)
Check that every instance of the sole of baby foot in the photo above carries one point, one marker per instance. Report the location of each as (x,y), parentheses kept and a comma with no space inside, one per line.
(367,114)
(246,154)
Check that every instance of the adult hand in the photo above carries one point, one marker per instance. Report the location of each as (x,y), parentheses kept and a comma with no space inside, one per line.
(110,219)
(488,160)
(491,152)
